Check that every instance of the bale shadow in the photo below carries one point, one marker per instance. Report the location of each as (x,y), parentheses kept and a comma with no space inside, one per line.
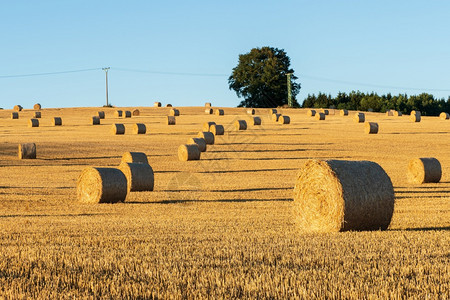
(184,201)
(445,228)
(47,215)
(247,171)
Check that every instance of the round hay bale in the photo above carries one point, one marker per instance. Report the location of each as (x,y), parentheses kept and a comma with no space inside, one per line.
(272,111)
(217,129)
(397,113)
(101,185)
(359,117)
(27,151)
(326,112)
(101,114)
(207,125)
(140,177)
(117,128)
(207,136)
(14,115)
(415,118)
(18,107)
(209,111)
(423,170)
(339,195)
(416,112)
(136,112)
(157,104)
(37,106)
(284,120)
(240,125)
(139,128)
(33,123)
(174,112)
(311,113)
(208,104)
(188,152)
(171,120)
(343,112)
(95,120)
(389,113)
(275,117)
(168,105)
(371,128)
(118,114)
(57,121)
(37,114)
(127,114)
(320,116)
(200,142)
(134,157)
(219,112)
(444,116)
(251,111)
(255,121)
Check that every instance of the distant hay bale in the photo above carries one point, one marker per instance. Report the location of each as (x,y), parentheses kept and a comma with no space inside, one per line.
(209,111)
(200,142)
(320,116)
(168,105)
(136,112)
(424,170)
(217,129)
(171,120)
(139,128)
(37,114)
(370,110)
(33,123)
(117,128)
(207,125)
(284,120)
(188,152)
(56,121)
(311,113)
(101,185)
(220,112)
(118,114)
(27,151)
(14,115)
(208,104)
(397,113)
(207,136)
(127,114)
(359,117)
(326,112)
(371,128)
(140,177)
(343,112)
(174,112)
(18,107)
(444,116)
(389,113)
(240,125)
(157,104)
(134,157)
(415,112)
(415,118)
(251,111)
(95,120)
(272,111)
(255,121)
(101,114)
(275,117)
(338,195)
(37,106)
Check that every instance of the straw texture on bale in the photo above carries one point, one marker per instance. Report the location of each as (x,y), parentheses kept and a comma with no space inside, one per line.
(37,106)
(207,125)
(320,116)
(220,112)
(251,111)
(117,128)
(444,116)
(255,121)
(207,136)
(139,128)
(27,151)
(37,114)
(423,170)
(217,129)
(101,185)
(311,113)
(326,112)
(174,112)
(118,114)
(168,105)
(127,114)
(57,121)
(136,112)
(275,117)
(415,118)
(188,152)
(101,114)
(135,157)
(338,195)
(371,128)
(209,111)
(171,120)
(284,120)
(343,112)
(200,142)
(18,108)
(208,104)
(240,125)
(33,123)
(157,104)
(389,113)
(359,118)
(95,120)
(397,113)
(14,115)
(140,177)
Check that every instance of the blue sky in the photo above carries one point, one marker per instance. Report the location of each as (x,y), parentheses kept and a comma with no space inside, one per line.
(189,48)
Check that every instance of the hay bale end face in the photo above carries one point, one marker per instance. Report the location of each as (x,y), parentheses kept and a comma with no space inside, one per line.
(424,170)
(139,128)
(207,125)
(33,123)
(174,112)
(207,136)
(416,112)
(272,111)
(255,121)
(209,111)
(275,117)
(444,116)
(343,112)
(136,112)
(311,113)
(188,152)
(397,113)
(127,114)
(157,104)
(220,112)
(27,151)
(18,107)
(359,118)
(140,177)
(118,114)
(101,114)
(37,114)
(200,142)
(217,129)
(95,120)
(101,185)
(389,113)
(251,111)
(326,112)
(371,128)
(208,104)
(334,195)
(134,157)
(320,116)
(37,106)
(171,120)
(240,125)
(14,115)
(415,118)
(57,121)
(284,120)
(117,128)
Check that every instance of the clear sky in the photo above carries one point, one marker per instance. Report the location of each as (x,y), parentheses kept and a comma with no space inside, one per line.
(188,48)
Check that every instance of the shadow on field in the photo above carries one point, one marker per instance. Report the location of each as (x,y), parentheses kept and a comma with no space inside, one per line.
(212,201)
(439,132)
(226,191)
(247,171)
(281,144)
(271,150)
(446,228)
(423,192)
(271,158)
(46,215)
(80,158)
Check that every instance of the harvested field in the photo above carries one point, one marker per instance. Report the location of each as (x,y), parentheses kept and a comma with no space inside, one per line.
(222,226)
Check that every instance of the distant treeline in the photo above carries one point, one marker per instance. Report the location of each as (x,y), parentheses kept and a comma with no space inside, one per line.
(425,103)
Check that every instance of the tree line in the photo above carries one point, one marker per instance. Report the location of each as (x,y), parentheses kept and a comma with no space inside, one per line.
(425,103)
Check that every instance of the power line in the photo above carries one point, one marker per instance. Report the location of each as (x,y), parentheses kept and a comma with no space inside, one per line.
(170,73)
(49,73)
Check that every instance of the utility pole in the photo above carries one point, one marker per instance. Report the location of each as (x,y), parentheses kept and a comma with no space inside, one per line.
(289,89)
(106,73)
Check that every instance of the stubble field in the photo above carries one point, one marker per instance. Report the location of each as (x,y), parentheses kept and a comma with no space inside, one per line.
(221,227)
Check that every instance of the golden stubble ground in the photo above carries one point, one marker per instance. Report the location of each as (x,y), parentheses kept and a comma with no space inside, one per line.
(221,227)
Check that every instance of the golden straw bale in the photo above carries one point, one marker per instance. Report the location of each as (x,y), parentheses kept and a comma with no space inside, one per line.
(127,114)
(311,113)
(101,185)
(157,104)
(207,136)
(251,111)
(207,125)
(117,128)
(171,120)
(37,114)
(33,123)
(140,177)
(371,128)
(134,157)
(95,120)
(326,112)
(217,129)
(359,117)
(284,120)
(275,117)
(339,195)
(255,121)
(174,112)
(444,116)
(423,170)
(188,152)
(118,114)
(168,105)
(389,113)
(209,111)
(220,112)
(57,121)
(27,151)
(272,111)
(101,114)
(320,116)
(37,106)
(139,128)
(18,107)
(415,118)
(208,104)
(397,113)
(343,112)
(136,112)
(240,125)
(416,112)
(14,115)
(200,142)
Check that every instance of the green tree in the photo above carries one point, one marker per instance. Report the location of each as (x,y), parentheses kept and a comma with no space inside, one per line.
(260,78)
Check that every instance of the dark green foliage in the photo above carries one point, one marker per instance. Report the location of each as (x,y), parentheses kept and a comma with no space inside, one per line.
(260,78)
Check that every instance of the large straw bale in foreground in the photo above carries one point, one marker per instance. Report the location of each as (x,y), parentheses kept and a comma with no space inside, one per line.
(207,125)
(423,170)
(311,113)
(188,152)
(27,151)
(200,142)
(135,157)
(444,116)
(139,128)
(240,125)
(140,177)
(101,185)
(33,123)
(117,128)
(371,128)
(359,117)
(339,195)
(217,129)
(207,136)
(284,120)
